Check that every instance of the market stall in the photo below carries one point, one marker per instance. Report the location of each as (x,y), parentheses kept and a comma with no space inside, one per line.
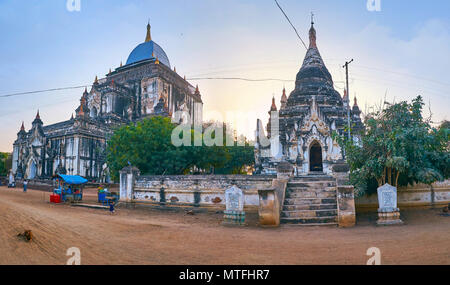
(69,188)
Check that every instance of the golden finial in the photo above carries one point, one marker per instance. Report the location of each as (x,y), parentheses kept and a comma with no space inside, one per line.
(96,80)
(174,69)
(157,60)
(109,71)
(148,38)
(120,63)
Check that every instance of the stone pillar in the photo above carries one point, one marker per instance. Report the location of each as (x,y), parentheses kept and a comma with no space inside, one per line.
(128,177)
(271,203)
(269,208)
(346,206)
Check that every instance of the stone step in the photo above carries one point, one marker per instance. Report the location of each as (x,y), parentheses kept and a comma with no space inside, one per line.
(311,225)
(318,184)
(310,194)
(300,207)
(310,221)
(313,178)
(306,214)
(306,189)
(309,201)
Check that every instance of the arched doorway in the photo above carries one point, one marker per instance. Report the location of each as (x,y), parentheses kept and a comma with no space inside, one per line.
(32,170)
(315,157)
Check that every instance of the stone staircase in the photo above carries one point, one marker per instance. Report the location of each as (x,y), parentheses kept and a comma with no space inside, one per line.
(311,201)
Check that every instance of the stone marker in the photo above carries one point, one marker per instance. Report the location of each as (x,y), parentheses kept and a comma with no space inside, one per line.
(234,213)
(388,213)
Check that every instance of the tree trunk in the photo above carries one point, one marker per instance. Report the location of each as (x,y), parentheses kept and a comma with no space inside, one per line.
(396,179)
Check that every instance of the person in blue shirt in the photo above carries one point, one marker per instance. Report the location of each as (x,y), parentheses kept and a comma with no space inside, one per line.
(25,185)
(111,207)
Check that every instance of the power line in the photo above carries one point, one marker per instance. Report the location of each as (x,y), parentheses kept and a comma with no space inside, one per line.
(298,35)
(240,78)
(43,91)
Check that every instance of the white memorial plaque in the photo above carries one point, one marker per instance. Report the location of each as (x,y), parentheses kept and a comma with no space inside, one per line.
(387,198)
(234,199)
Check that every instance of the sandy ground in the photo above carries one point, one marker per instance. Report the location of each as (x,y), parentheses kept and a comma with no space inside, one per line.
(148,236)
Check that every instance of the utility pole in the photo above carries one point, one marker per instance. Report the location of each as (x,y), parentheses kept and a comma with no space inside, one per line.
(348,97)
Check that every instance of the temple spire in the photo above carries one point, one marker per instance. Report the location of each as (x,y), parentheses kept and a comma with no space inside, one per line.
(22,128)
(37,120)
(312,34)
(345,98)
(148,38)
(284,99)
(274,105)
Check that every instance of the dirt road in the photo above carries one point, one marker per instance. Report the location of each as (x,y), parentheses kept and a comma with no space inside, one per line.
(144,236)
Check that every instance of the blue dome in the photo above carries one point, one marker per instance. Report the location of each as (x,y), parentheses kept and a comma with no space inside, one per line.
(145,51)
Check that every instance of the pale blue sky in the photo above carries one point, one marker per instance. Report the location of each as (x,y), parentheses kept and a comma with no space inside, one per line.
(401,51)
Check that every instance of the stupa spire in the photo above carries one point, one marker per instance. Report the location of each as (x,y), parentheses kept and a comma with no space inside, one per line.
(274,105)
(284,98)
(148,38)
(312,34)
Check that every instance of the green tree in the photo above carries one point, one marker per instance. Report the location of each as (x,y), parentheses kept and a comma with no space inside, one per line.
(148,146)
(5,163)
(399,147)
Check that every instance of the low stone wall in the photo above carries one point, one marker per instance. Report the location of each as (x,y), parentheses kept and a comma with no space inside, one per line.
(190,190)
(419,195)
(36,184)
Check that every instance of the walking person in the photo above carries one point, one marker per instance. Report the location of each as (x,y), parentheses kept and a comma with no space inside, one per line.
(111,207)
(25,185)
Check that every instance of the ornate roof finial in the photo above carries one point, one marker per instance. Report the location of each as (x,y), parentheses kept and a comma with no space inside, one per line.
(148,38)
(356,101)
(121,64)
(345,98)
(96,80)
(283,98)
(22,128)
(175,69)
(157,60)
(38,117)
(274,106)
(312,34)
(197,91)
(109,71)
